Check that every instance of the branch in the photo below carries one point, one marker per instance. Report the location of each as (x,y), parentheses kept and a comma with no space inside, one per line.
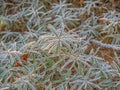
(107,46)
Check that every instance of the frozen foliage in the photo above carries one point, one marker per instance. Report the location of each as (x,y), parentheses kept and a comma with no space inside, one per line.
(59,45)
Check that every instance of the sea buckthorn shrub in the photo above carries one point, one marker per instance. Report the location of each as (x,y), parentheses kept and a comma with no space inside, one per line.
(59,45)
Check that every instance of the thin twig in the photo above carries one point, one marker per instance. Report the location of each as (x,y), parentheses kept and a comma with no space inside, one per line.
(107,46)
